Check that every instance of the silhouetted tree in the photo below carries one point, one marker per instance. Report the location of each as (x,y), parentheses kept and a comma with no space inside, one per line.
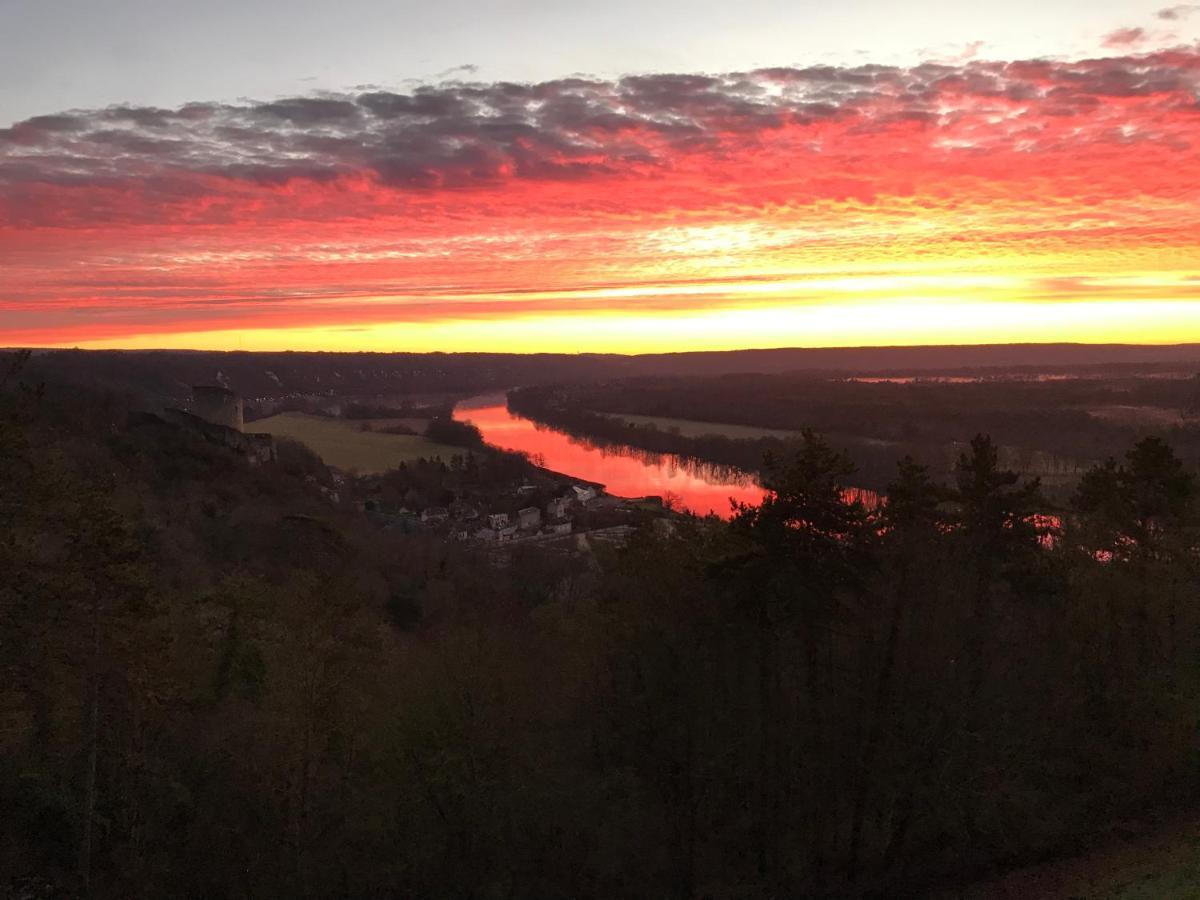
(912,525)
(806,553)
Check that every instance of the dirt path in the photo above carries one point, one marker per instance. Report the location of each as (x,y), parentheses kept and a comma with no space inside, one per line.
(1162,865)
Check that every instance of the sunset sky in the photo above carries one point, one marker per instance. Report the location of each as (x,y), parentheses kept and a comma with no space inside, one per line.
(621,177)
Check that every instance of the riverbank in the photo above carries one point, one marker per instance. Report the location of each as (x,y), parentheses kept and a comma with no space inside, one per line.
(625,472)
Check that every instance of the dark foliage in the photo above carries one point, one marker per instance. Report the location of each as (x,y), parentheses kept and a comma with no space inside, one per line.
(215,683)
(447,430)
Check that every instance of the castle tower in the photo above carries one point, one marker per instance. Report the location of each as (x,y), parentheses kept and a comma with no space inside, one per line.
(217,405)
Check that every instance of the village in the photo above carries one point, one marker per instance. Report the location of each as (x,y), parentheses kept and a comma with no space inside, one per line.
(483,496)
(528,514)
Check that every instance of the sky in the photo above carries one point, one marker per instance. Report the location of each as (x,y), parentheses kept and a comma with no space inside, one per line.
(629,176)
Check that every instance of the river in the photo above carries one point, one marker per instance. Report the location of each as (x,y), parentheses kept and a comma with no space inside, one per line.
(624,472)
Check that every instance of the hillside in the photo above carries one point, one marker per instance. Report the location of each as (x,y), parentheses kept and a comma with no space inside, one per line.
(219,680)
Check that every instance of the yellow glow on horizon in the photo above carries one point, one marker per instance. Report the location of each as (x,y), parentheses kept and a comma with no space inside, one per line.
(899,321)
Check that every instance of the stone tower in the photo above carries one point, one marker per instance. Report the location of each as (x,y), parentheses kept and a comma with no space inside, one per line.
(217,405)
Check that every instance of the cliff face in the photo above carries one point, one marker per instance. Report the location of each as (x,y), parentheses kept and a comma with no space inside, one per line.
(218,405)
(258,448)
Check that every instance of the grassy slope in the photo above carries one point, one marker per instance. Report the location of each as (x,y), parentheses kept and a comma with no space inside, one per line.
(416,425)
(341,444)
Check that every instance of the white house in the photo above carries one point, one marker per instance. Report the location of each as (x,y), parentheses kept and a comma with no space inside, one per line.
(529,517)
(464,513)
(583,493)
(498,520)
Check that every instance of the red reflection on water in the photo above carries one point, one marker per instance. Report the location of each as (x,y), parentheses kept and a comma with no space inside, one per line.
(629,473)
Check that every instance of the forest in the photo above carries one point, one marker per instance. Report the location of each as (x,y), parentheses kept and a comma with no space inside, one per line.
(295,379)
(216,682)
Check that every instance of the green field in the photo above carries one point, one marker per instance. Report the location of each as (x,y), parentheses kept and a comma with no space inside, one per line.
(342,444)
(417,426)
(692,428)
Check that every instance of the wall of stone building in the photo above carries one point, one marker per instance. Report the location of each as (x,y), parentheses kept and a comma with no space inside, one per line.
(217,405)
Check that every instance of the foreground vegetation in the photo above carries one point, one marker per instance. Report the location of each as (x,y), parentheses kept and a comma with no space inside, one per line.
(216,684)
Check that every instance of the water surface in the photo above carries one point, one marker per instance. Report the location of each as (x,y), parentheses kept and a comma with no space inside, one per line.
(624,471)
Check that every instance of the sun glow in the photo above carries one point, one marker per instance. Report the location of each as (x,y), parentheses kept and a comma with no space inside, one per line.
(904,320)
(1023,201)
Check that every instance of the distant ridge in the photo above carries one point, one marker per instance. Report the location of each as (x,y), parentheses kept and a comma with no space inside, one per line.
(874,359)
(165,376)
(923,356)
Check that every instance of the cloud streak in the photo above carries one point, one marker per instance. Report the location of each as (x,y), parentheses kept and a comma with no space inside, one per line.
(302,206)
(1175,13)
(1124,38)
(462,136)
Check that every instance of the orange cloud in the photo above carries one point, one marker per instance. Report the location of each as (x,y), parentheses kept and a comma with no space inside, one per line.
(422,216)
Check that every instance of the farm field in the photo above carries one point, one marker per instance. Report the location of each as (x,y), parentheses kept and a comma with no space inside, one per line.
(342,444)
(692,428)
(416,426)
(1147,416)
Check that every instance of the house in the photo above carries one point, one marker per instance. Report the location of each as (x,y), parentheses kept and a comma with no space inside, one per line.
(557,508)
(650,502)
(434,515)
(403,521)
(529,517)
(583,493)
(507,533)
(665,527)
(556,528)
(527,489)
(617,535)
(496,521)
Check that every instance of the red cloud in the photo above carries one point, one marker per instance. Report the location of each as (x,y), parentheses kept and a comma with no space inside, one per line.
(1125,37)
(455,202)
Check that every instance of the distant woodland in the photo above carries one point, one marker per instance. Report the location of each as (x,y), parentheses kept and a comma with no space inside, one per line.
(160,374)
(1055,429)
(214,681)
